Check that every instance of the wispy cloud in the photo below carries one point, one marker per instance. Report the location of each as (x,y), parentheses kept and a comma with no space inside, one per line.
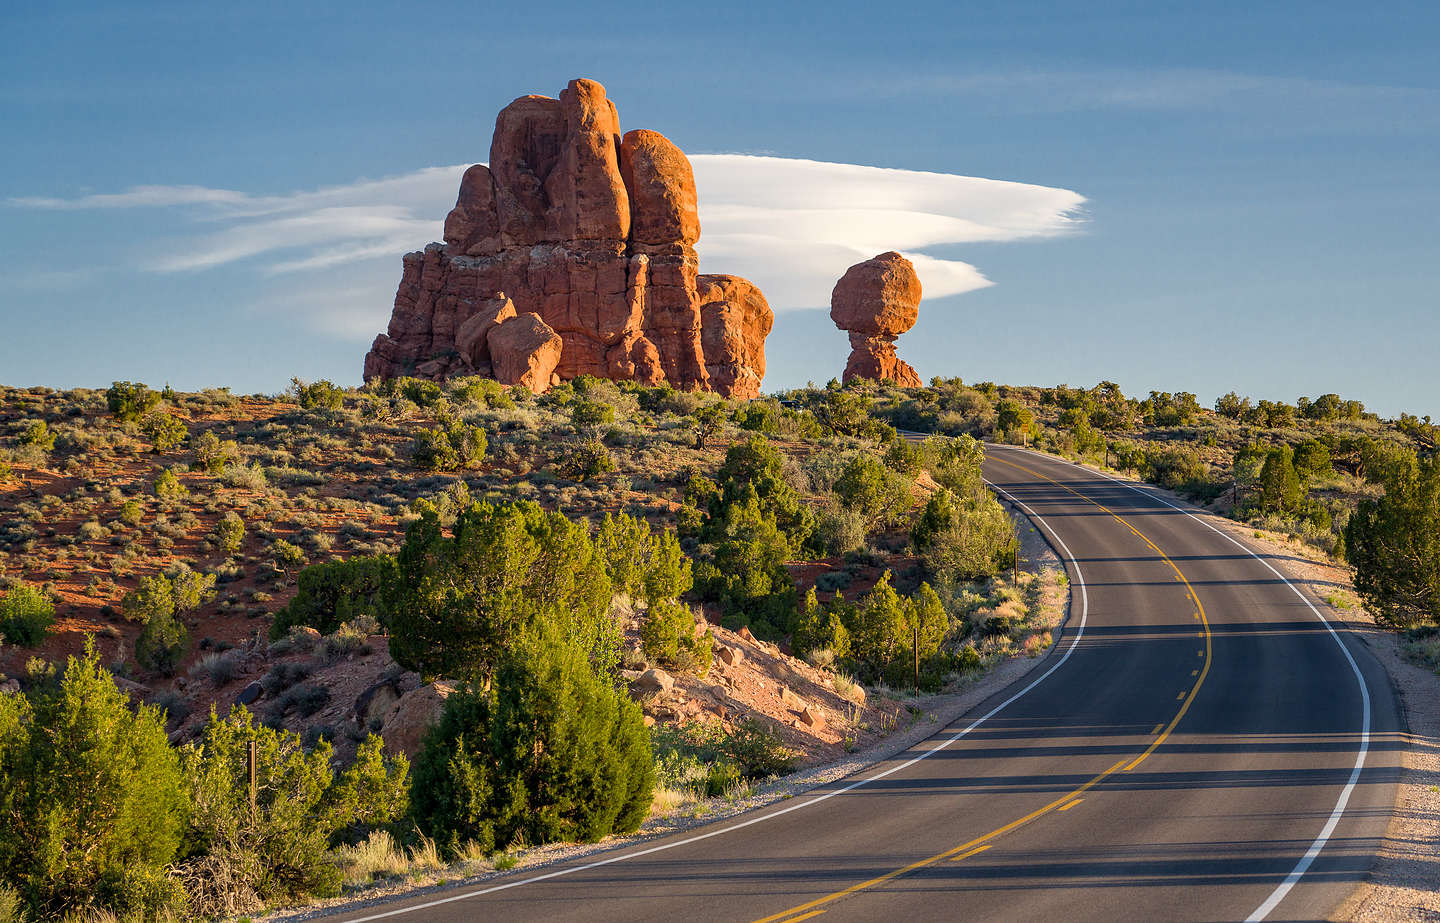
(791,226)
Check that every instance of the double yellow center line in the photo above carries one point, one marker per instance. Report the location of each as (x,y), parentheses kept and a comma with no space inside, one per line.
(1064,803)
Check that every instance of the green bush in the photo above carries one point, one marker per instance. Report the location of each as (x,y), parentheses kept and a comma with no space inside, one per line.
(1394,544)
(92,799)
(964,539)
(130,402)
(162,644)
(212,455)
(26,615)
(552,751)
(449,448)
(819,628)
(642,564)
(876,492)
(331,594)
(38,434)
(747,574)
(322,394)
(167,486)
(229,532)
(461,600)
(667,635)
(164,431)
(241,859)
(587,459)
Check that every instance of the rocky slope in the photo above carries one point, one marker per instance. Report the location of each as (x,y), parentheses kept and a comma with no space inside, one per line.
(590,234)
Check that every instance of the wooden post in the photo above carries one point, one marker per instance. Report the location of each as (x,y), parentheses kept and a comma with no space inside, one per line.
(250,752)
(915,649)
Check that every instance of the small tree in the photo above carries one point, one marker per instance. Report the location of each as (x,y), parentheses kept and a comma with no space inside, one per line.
(239,857)
(230,532)
(38,434)
(323,394)
(129,402)
(1394,544)
(162,643)
(551,752)
(707,421)
(164,431)
(1279,484)
(26,615)
(91,798)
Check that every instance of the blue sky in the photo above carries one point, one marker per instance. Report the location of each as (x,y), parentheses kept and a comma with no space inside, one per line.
(1260,206)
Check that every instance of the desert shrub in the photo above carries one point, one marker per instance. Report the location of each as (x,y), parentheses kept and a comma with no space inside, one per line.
(162,643)
(283,675)
(229,532)
(748,750)
(249,477)
(26,615)
(92,798)
(322,394)
(131,512)
(167,486)
(667,635)
(130,401)
(461,600)
(211,454)
(1393,541)
(905,458)
(955,464)
(839,530)
(238,859)
(330,594)
(643,564)
(884,629)
(176,592)
(588,458)
(759,416)
(591,415)
(552,751)
(877,493)
(449,448)
(37,434)
(1175,468)
(164,431)
(964,539)
(747,574)
(819,628)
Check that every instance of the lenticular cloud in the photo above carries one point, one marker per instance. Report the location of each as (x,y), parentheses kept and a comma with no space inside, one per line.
(791,226)
(794,226)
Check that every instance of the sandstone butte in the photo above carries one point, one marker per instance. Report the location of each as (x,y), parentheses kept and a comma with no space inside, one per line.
(876,301)
(573,253)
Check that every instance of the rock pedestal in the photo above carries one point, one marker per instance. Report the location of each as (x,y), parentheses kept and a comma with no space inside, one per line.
(876,301)
(591,232)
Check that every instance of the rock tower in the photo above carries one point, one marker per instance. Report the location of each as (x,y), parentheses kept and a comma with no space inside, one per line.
(573,253)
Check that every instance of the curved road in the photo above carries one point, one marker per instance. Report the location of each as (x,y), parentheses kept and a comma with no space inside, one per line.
(1198,745)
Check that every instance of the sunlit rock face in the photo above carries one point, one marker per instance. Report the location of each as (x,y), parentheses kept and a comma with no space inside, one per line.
(593,234)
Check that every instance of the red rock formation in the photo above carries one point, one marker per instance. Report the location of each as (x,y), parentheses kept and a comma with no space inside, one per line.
(876,301)
(525,352)
(595,234)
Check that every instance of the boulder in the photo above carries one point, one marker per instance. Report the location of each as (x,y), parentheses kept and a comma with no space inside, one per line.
(730,655)
(472,336)
(409,718)
(524,351)
(250,693)
(876,301)
(811,718)
(595,234)
(653,682)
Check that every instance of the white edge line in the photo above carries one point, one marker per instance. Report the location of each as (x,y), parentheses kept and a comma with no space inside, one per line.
(1306,860)
(1079,631)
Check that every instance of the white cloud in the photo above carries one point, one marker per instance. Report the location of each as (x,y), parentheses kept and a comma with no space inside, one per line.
(791,226)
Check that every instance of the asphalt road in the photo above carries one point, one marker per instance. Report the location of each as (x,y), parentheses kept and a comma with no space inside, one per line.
(1198,745)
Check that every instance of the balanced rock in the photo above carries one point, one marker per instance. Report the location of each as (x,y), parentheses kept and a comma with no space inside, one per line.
(876,301)
(593,233)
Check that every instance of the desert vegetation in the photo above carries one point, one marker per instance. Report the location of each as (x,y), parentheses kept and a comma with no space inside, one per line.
(602,577)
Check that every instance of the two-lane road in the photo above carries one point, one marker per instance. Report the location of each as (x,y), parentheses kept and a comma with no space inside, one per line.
(1199,745)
